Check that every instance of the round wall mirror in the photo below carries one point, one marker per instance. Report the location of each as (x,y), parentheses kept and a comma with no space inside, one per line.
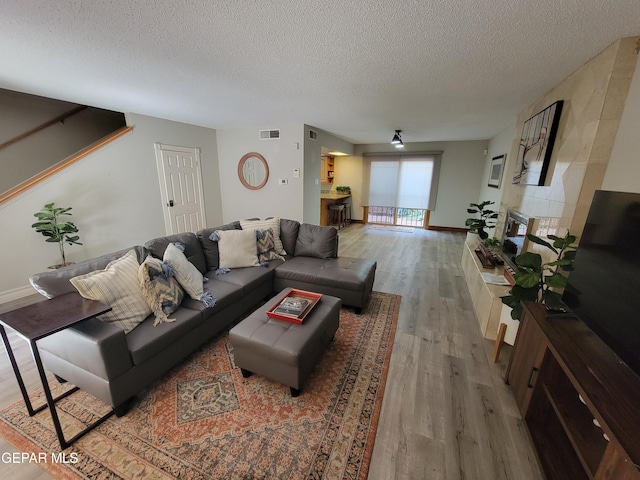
(253,171)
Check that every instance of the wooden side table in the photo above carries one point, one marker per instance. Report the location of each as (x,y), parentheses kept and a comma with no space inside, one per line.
(40,320)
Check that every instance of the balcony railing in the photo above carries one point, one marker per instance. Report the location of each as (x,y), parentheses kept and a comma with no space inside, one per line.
(410,217)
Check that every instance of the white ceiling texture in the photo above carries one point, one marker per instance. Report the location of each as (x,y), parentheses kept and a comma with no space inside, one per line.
(436,69)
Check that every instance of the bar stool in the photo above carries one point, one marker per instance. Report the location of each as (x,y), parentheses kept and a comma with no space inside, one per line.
(347,213)
(337,213)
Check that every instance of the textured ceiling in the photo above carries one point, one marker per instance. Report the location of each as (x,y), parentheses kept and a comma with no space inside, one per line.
(437,69)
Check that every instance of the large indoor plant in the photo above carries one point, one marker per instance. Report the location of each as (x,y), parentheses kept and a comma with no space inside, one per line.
(486,220)
(55,230)
(535,280)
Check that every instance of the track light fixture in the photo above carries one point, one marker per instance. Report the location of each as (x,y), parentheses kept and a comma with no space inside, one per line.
(396,140)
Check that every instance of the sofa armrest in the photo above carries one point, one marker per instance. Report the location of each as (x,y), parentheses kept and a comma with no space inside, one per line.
(94,346)
(53,283)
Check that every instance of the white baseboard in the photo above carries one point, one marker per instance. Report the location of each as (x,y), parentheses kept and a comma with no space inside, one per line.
(16,294)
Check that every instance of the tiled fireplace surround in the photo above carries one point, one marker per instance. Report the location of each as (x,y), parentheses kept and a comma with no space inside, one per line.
(594,98)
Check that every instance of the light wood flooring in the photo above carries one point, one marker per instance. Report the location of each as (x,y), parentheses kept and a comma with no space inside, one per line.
(446,413)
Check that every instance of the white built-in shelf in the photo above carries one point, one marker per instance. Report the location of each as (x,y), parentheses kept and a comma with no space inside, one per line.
(485,296)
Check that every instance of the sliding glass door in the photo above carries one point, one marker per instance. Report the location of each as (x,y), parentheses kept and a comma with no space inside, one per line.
(401,188)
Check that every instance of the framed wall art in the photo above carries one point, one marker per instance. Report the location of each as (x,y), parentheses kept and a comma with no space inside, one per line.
(536,146)
(495,173)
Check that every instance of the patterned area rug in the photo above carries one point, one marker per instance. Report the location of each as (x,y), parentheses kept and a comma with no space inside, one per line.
(203,420)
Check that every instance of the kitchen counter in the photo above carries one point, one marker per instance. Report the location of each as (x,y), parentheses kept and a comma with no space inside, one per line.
(327,199)
(334,196)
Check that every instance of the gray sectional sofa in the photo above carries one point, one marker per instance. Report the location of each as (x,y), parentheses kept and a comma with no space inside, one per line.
(114,366)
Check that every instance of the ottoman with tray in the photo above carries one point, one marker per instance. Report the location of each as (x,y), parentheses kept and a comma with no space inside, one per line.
(284,351)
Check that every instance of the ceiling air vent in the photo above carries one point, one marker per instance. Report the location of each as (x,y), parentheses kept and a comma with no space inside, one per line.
(269,134)
(313,135)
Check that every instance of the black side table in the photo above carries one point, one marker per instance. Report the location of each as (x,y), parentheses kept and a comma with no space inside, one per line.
(40,320)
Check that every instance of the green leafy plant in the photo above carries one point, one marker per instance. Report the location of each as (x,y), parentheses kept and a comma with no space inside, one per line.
(343,189)
(536,280)
(486,220)
(492,243)
(55,230)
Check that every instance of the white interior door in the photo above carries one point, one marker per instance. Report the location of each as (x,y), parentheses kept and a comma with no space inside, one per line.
(181,188)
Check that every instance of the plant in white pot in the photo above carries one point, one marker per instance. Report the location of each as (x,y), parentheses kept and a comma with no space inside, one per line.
(55,230)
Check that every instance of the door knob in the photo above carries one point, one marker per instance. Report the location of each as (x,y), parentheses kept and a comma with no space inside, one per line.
(170,204)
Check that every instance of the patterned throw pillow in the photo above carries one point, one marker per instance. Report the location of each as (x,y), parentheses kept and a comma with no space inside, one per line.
(266,246)
(161,291)
(272,223)
(117,286)
(188,276)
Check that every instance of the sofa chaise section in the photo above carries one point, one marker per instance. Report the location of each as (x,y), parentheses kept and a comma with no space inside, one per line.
(350,279)
(314,265)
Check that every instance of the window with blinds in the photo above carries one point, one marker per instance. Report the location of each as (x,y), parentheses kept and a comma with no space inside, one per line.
(400,189)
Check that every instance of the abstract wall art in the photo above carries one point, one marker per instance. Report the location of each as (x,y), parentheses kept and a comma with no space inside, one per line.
(536,146)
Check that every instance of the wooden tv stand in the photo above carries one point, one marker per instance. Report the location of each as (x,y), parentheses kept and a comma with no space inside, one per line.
(580,403)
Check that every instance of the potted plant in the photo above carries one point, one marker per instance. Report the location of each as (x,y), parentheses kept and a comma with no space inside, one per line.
(486,220)
(536,280)
(493,244)
(343,189)
(55,230)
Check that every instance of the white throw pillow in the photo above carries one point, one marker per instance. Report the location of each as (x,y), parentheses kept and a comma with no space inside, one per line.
(117,286)
(272,223)
(237,248)
(187,275)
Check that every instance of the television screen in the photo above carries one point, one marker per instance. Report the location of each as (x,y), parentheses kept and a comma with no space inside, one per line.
(603,289)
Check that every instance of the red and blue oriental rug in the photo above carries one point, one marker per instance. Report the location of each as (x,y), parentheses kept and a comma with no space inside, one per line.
(203,420)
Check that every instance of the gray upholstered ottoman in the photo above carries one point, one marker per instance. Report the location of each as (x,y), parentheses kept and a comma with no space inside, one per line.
(283,351)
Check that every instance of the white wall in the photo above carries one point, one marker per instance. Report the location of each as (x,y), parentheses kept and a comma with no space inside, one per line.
(623,171)
(462,165)
(115,195)
(498,145)
(282,156)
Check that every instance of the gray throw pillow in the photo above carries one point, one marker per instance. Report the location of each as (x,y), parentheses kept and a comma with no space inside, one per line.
(289,235)
(316,241)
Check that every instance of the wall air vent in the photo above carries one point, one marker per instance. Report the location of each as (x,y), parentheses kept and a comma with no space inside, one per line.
(269,134)
(313,135)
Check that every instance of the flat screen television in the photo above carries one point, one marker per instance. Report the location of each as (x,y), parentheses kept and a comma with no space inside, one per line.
(603,289)
(514,236)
